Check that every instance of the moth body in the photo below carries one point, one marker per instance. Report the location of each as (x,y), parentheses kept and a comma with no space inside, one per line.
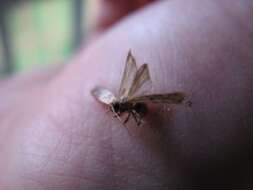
(131,99)
(120,108)
(137,110)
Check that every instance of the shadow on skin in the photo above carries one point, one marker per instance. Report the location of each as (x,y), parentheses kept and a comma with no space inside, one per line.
(154,133)
(230,171)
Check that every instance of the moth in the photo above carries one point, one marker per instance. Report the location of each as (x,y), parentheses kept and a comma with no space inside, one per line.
(131,99)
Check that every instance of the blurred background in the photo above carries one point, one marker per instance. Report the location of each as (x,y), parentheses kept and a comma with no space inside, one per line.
(41,32)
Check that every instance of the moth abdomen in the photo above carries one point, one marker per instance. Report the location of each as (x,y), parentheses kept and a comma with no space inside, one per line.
(141,108)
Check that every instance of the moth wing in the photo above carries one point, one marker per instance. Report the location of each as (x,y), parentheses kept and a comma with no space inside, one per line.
(141,83)
(103,95)
(169,98)
(128,76)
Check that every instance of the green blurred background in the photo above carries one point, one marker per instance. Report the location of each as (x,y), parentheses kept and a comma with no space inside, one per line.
(41,32)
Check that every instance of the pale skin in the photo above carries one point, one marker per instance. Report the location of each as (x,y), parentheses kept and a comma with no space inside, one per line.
(54,135)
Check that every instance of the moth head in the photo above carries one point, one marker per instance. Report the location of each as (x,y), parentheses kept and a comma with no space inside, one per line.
(116,107)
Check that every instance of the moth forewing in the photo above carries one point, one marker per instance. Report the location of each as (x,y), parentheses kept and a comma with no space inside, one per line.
(103,95)
(128,76)
(168,98)
(142,77)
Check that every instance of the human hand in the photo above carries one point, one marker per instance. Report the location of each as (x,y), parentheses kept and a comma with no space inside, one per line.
(56,136)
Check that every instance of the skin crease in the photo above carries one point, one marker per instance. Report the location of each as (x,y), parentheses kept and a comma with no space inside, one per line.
(54,135)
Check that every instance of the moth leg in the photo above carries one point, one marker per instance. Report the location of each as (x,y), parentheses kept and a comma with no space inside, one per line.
(113,111)
(139,121)
(137,117)
(118,117)
(115,114)
(134,116)
(127,118)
